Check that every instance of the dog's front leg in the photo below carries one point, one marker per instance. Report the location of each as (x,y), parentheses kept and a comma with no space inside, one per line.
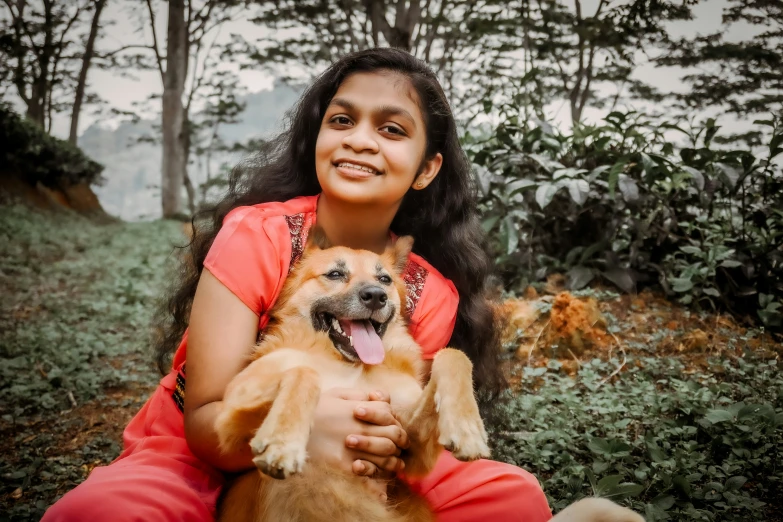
(446,415)
(276,410)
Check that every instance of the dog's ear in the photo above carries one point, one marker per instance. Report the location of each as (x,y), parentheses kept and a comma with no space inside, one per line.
(317,239)
(400,252)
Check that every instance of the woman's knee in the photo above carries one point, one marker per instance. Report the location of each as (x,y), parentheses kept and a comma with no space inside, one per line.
(82,503)
(517,491)
(132,493)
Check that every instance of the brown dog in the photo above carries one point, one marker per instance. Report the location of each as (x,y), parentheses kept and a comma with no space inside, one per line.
(339,323)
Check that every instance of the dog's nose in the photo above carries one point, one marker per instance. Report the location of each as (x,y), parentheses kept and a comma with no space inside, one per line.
(373,297)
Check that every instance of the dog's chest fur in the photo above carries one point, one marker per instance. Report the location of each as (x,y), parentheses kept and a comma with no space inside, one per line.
(403,387)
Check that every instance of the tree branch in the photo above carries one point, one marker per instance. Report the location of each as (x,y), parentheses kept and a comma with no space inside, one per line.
(155,47)
(589,78)
(20,58)
(432,31)
(347,9)
(196,82)
(425,13)
(122,49)
(377,11)
(69,24)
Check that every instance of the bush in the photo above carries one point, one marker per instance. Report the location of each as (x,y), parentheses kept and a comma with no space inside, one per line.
(671,443)
(622,202)
(32,155)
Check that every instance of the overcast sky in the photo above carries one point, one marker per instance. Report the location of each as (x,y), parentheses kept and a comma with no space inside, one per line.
(123,92)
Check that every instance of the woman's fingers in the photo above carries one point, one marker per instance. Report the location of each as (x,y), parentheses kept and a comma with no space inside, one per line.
(392,432)
(369,470)
(379,395)
(364,468)
(378,413)
(375,466)
(380,446)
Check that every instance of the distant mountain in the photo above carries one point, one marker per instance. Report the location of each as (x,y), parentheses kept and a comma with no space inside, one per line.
(132,187)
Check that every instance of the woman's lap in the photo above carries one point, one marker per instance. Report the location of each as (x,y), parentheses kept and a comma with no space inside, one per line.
(157,479)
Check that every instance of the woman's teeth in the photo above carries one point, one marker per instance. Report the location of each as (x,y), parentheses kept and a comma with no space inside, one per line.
(357,167)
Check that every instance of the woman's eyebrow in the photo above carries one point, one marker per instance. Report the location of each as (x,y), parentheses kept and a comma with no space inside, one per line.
(386,110)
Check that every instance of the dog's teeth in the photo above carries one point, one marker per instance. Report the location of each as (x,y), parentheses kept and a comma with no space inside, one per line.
(350,340)
(336,325)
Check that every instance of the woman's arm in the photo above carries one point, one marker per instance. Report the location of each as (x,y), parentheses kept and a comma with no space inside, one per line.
(221,336)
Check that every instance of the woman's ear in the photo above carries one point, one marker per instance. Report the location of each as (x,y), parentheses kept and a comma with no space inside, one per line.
(317,239)
(428,172)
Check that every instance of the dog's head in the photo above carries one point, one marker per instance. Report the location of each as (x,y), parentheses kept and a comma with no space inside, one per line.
(351,295)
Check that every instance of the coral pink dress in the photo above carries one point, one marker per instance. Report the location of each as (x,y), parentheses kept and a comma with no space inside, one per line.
(157,478)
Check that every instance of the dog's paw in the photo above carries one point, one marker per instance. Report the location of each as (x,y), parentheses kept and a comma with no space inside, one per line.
(465,437)
(278,459)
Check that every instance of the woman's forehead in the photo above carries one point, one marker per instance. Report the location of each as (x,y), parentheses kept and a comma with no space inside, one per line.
(378,90)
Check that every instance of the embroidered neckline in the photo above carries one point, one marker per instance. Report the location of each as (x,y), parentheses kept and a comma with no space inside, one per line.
(415,275)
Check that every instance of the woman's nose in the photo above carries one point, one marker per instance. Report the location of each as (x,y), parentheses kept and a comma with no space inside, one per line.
(361,139)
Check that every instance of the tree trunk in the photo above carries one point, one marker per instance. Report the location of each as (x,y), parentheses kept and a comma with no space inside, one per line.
(36,106)
(189,188)
(86,59)
(173,118)
(406,18)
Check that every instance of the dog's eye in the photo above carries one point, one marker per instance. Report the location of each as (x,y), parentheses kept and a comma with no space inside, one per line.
(384,279)
(335,275)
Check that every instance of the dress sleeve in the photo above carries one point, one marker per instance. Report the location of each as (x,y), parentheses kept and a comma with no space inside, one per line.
(435,315)
(246,257)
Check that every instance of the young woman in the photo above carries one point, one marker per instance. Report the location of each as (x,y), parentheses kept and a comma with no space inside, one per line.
(371,148)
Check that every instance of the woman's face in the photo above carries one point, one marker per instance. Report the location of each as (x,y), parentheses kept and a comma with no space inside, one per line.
(372,140)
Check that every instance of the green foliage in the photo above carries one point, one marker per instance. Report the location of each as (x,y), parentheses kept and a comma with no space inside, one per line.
(34,156)
(622,201)
(742,75)
(707,446)
(76,307)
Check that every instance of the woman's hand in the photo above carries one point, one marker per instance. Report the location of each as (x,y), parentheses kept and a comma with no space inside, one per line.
(356,431)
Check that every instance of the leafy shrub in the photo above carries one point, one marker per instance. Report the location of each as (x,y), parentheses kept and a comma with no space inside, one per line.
(621,201)
(34,156)
(706,446)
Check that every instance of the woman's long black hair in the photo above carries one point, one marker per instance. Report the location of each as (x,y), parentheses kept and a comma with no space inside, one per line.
(442,218)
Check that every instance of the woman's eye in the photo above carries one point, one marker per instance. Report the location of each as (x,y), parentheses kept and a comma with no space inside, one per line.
(341,120)
(384,279)
(334,275)
(392,129)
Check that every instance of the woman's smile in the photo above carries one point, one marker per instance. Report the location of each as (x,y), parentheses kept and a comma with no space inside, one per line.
(356,170)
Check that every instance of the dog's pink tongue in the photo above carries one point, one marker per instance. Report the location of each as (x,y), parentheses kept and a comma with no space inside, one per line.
(365,341)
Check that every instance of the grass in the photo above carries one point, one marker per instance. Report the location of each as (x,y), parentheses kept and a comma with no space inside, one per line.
(75,309)
(676,434)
